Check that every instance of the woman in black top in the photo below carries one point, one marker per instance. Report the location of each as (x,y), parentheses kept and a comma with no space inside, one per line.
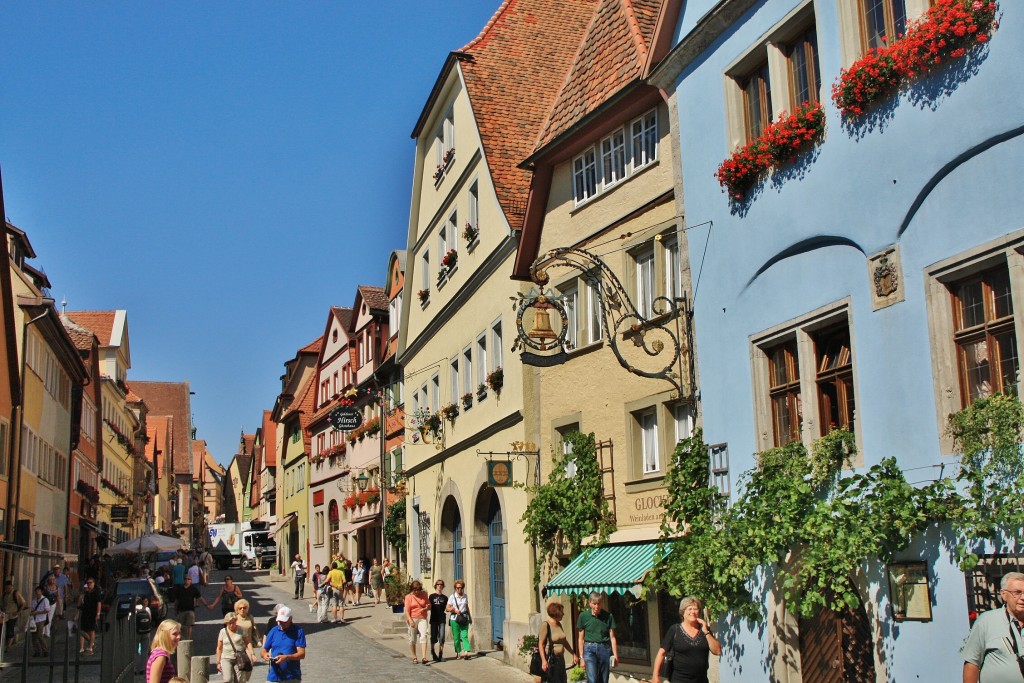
(690,643)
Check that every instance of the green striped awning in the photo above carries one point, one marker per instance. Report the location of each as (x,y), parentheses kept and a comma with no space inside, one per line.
(608,569)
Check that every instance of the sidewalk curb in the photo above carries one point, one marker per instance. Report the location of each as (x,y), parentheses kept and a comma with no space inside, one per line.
(374,628)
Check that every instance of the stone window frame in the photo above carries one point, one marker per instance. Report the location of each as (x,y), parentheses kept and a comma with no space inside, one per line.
(852,35)
(1008,249)
(663,404)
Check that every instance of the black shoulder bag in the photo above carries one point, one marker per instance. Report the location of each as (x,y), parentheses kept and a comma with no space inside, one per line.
(667,661)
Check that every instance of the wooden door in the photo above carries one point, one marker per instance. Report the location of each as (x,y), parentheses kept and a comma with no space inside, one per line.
(836,648)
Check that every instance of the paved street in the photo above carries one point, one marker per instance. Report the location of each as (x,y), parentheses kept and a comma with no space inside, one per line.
(353,652)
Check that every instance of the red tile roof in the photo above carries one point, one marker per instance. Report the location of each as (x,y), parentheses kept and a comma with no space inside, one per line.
(100,322)
(612,55)
(158,429)
(198,455)
(374,297)
(344,316)
(81,336)
(306,406)
(171,399)
(513,71)
(313,346)
(269,440)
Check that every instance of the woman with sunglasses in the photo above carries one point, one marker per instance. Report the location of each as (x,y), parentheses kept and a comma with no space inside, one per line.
(458,607)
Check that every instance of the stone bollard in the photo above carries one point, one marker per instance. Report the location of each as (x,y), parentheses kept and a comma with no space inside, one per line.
(200,672)
(184,658)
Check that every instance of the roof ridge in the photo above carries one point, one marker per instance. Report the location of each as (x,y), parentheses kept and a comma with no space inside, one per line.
(488,26)
(634,29)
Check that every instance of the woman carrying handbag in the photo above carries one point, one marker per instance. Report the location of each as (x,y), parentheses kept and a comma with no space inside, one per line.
(548,662)
(234,652)
(458,607)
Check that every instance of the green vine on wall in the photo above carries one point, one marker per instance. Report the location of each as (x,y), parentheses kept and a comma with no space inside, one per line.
(567,511)
(396,511)
(798,512)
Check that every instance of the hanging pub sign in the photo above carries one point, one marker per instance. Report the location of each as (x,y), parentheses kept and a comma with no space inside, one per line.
(499,473)
(345,418)
(118,513)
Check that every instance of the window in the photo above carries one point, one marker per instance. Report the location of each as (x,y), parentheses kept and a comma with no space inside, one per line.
(719,475)
(618,155)
(644,263)
(453,380)
(481,362)
(757,101)
(631,627)
(805,79)
(444,139)
(570,296)
(595,329)
(881,20)
(467,371)
(394,313)
(425,266)
(984,334)
(835,379)
(682,419)
(474,208)
(442,243)
(673,269)
(784,390)
(648,423)
(435,393)
(496,350)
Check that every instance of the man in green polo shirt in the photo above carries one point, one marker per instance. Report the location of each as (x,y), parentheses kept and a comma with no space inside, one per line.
(992,653)
(597,641)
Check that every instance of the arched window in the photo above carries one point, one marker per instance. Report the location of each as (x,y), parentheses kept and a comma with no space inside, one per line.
(332,513)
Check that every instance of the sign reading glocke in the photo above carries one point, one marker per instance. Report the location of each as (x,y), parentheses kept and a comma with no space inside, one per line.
(345,418)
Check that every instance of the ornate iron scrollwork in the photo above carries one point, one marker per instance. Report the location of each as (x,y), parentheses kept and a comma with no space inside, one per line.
(620,320)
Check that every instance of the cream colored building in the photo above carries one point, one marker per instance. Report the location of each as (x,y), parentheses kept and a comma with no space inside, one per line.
(482,117)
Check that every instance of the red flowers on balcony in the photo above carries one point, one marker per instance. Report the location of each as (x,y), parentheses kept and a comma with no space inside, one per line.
(948,30)
(780,143)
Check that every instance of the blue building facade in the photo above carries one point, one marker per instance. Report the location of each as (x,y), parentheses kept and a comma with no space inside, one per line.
(875,282)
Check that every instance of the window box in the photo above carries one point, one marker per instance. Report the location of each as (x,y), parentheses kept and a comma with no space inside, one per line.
(470,233)
(481,392)
(947,31)
(495,380)
(424,296)
(467,401)
(780,143)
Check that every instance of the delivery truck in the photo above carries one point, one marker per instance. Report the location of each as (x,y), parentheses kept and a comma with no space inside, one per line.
(247,544)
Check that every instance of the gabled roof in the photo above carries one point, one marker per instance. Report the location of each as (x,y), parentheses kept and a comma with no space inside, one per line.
(81,336)
(374,297)
(344,316)
(158,448)
(269,440)
(198,455)
(213,465)
(512,71)
(313,346)
(100,322)
(171,399)
(613,54)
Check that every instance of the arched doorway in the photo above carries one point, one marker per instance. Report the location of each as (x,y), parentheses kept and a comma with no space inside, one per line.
(458,549)
(836,647)
(496,560)
(450,542)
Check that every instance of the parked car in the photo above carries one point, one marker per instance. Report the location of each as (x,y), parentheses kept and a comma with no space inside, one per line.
(127,591)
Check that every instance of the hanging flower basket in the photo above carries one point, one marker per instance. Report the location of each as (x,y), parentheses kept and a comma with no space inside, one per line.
(467,401)
(779,144)
(945,33)
(496,379)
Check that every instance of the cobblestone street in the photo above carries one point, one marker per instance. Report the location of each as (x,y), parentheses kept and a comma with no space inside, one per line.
(356,651)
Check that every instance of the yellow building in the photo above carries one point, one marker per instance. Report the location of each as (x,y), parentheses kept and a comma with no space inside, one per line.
(604,187)
(482,118)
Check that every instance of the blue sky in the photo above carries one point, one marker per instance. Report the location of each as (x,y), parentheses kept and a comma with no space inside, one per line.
(225,171)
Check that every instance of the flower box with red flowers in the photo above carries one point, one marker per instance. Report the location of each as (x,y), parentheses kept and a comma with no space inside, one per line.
(450,260)
(779,144)
(945,33)
(424,296)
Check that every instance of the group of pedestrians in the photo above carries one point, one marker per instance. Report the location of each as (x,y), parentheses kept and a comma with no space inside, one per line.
(339,584)
(430,616)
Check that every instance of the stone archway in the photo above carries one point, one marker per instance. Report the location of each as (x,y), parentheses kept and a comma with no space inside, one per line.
(451,541)
(487,548)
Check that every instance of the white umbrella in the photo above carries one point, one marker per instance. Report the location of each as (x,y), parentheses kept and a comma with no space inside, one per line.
(150,543)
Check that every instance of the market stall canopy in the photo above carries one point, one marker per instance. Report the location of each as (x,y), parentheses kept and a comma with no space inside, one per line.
(607,569)
(150,543)
(353,526)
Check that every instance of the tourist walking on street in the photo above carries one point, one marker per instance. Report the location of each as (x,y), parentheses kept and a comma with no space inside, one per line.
(160,667)
(596,641)
(552,644)
(336,581)
(185,606)
(438,620)
(13,605)
(89,606)
(994,650)
(230,643)
(284,647)
(690,643)
(299,572)
(417,607)
(246,624)
(228,595)
(359,580)
(460,619)
(195,573)
(315,577)
(40,622)
(376,581)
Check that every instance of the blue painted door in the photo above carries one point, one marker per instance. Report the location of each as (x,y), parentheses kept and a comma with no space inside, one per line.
(457,548)
(497,556)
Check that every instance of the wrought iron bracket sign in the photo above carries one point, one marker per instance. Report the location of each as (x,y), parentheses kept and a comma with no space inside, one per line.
(620,320)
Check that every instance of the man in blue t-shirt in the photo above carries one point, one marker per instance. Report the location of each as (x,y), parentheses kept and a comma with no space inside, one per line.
(284,647)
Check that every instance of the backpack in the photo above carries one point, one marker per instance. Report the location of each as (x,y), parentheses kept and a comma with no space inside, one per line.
(143,621)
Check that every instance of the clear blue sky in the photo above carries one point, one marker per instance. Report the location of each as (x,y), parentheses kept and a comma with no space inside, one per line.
(225,171)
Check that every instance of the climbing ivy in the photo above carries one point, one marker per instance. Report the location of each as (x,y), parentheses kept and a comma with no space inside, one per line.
(568,510)
(797,512)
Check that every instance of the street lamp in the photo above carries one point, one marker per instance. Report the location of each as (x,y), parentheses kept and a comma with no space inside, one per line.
(362,480)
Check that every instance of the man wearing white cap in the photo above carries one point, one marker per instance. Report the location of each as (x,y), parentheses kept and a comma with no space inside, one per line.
(284,647)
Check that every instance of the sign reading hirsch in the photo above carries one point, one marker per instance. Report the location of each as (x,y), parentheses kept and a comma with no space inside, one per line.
(345,418)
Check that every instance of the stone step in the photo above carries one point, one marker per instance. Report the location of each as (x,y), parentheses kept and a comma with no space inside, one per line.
(391,625)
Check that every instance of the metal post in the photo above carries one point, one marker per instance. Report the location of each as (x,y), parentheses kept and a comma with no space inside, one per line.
(184,658)
(67,652)
(200,672)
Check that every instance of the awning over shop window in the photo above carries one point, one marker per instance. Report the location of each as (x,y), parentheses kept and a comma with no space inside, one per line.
(284,522)
(354,526)
(608,569)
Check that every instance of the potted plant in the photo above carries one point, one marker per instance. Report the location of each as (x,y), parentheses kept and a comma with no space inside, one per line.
(467,401)
(470,233)
(495,380)
(450,412)
(396,587)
